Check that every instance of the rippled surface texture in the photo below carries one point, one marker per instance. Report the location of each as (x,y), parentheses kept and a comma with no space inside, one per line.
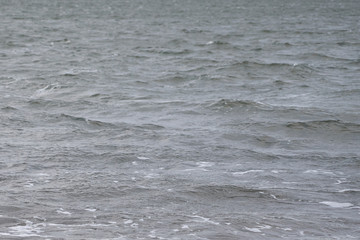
(180,119)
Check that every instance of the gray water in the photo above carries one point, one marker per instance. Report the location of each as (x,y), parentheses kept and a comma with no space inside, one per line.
(180,119)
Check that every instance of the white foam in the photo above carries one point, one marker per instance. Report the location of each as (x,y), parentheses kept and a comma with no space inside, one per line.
(42,175)
(152,175)
(129,221)
(45,91)
(29,184)
(349,190)
(273,196)
(143,158)
(184,226)
(189,169)
(204,164)
(319,172)
(90,209)
(204,220)
(337,204)
(61,211)
(265,227)
(350,236)
(27,230)
(256,230)
(249,171)
(285,229)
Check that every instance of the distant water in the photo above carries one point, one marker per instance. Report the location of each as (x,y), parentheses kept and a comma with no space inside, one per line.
(179,119)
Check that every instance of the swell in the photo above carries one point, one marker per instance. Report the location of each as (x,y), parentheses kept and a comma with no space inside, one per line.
(323,57)
(256,67)
(226,192)
(329,124)
(164,51)
(84,123)
(235,103)
(255,64)
(70,118)
(290,115)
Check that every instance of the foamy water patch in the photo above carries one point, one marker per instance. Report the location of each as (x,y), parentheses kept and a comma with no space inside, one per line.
(204,165)
(47,90)
(91,209)
(248,171)
(201,219)
(337,204)
(258,229)
(62,211)
(319,171)
(348,190)
(28,230)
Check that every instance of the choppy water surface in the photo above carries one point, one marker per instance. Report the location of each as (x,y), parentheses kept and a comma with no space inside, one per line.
(180,119)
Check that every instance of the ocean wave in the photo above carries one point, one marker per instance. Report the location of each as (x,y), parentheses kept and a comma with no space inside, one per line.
(176,79)
(149,126)
(256,67)
(194,30)
(175,52)
(8,109)
(83,120)
(217,45)
(322,56)
(227,192)
(166,51)
(234,103)
(333,125)
(348,43)
(261,64)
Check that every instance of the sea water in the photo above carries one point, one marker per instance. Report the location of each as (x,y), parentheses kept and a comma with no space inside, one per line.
(179,119)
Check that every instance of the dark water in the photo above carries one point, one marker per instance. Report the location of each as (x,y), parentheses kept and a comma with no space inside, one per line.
(180,119)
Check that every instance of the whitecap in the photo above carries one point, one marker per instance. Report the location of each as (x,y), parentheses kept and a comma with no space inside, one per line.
(90,209)
(129,221)
(256,230)
(61,211)
(184,226)
(27,230)
(319,172)
(259,228)
(204,164)
(337,204)
(249,171)
(152,175)
(45,91)
(348,190)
